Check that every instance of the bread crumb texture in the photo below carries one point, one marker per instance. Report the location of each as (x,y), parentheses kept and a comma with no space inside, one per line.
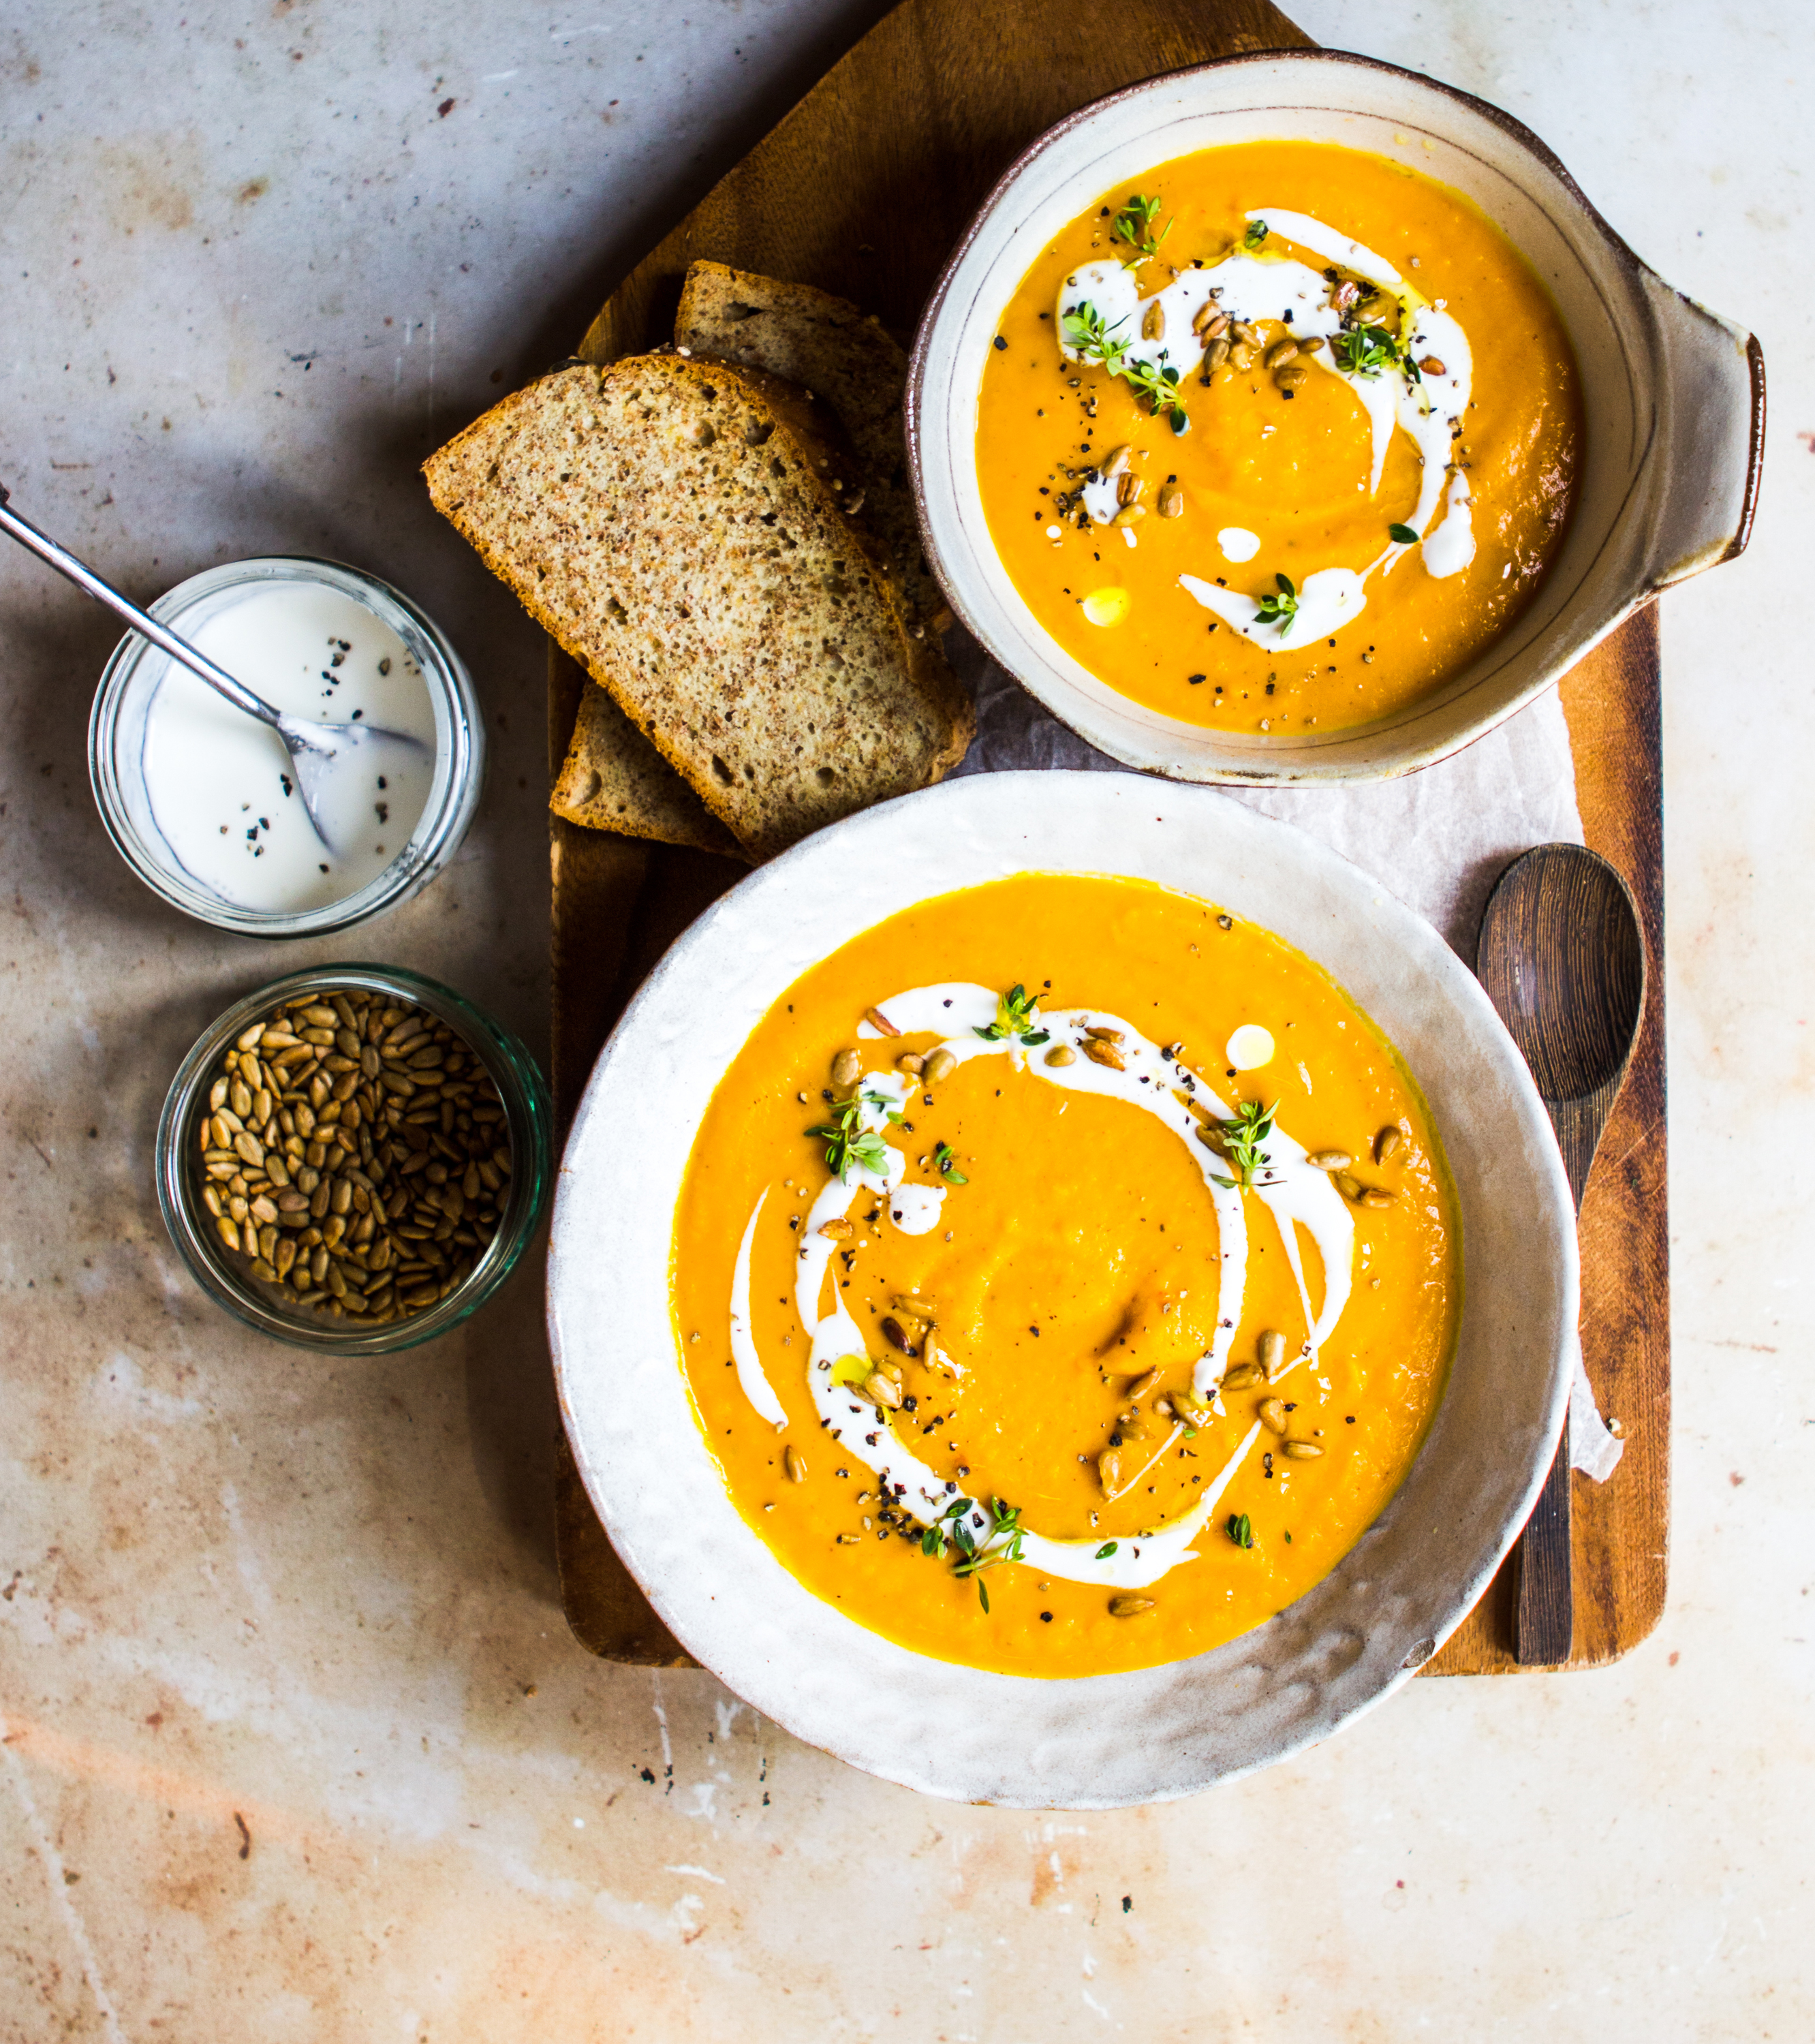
(675,524)
(614,779)
(846,358)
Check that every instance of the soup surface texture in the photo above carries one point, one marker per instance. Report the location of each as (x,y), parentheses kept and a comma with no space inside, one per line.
(999,1355)
(1278,438)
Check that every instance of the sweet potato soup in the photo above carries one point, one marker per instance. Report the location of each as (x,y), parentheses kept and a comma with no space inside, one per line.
(1281,439)
(1065,1276)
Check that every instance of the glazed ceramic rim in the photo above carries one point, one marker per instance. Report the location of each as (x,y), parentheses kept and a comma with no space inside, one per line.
(529,1116)
(648,1470)
(1047,672)
(453,792)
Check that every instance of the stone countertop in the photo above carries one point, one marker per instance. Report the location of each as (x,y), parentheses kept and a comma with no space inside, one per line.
(295,1742)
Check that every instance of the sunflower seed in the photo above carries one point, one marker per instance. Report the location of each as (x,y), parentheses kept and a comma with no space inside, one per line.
(941,1064)
(1129,1607)
(1387,1141)
(309,1113)
(1303,1451)
(881,1389)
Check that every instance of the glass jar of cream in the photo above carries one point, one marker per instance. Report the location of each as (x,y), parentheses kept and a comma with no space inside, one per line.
(199,798)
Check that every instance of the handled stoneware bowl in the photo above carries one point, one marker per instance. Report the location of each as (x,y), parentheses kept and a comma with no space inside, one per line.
(1099,1741)
(1673,397)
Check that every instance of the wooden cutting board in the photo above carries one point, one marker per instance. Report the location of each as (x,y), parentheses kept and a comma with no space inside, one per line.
(863,189)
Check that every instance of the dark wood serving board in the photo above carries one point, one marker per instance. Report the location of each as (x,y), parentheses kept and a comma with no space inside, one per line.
(863,189)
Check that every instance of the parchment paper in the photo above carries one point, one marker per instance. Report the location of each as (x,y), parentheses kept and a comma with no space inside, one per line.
(1438,839)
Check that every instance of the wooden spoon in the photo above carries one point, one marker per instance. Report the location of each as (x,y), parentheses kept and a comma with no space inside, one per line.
(1562,962)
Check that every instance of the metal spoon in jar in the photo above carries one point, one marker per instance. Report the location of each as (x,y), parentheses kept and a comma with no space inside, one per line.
(1562,962)
(314,748)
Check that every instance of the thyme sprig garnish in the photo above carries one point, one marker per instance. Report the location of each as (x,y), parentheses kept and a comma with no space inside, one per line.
(1402,536)
(945,1158)
(1000,1542)
(1091,340)
(1134,224)
(847,1144)
(1015,1017)
(1242,1138)
(1257,233)
(1280,605)
(1366,350)
(1240,1529)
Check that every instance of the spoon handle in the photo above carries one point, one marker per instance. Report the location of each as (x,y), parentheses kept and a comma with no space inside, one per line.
(1545,1631)
(84,577)
(1545,1628)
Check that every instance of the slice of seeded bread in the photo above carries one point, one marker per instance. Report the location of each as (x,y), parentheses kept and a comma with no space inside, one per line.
(614,779)
(675,525)
(843,356)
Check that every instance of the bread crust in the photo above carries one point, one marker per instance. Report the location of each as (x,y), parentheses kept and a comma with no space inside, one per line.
(765,656)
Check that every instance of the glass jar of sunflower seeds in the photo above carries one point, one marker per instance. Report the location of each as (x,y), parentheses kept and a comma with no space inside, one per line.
(353,1158)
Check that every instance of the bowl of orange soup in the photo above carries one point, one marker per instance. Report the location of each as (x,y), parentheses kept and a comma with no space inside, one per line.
(1296,419)
(1060,1290)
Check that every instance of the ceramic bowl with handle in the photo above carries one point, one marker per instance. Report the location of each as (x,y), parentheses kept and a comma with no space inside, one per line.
(1673,397)
(1099,1741)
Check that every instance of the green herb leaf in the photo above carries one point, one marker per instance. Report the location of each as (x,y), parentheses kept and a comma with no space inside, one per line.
(1365,350)
(1002,1543)
(931,1541)
(946,1158)
(1243,1137)
(1087,337)
(984,1596)
(1257,233)
(1240,1530)
(847,1145)
(1014,1017)
(1402,536)
(1279,607)
(1134,224)
(1107,1549)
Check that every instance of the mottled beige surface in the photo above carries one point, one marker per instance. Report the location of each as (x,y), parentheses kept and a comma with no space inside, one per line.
(319,1596)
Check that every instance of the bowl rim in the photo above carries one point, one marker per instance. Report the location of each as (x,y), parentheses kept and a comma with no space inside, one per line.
(782,1662)
(529,1116)
(454,793)
(1062,702)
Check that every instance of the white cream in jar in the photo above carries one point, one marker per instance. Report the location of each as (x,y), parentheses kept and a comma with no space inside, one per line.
(220,784)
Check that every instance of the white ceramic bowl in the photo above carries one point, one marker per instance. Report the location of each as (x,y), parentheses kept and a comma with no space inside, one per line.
(1111,1740)
(1673,399)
